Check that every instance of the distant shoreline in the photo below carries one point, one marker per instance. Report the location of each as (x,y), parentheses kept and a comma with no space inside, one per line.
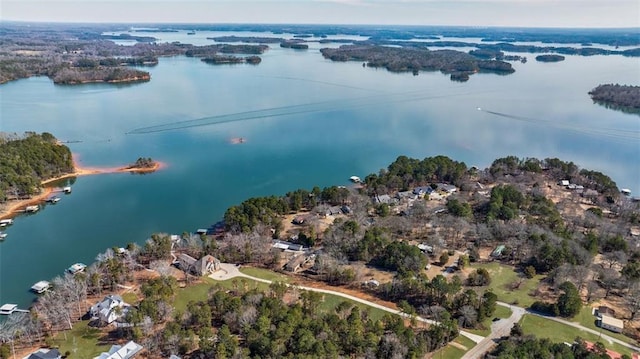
(10,208)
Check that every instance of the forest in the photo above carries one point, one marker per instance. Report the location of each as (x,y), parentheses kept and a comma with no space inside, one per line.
(27,160)
(623,97)
(415,59)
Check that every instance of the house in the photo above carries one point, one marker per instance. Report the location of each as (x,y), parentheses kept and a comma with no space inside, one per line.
(611,323)
(298,220)
(345,209)
(564,183)
(110,309)
(590,193)
(406,195)
(207,265)
(129,350)
(603,309)
(200,267)
(447,188)
(334,211)
(425,248)
(45,354)
(295,263)
(422,191)
(382,198)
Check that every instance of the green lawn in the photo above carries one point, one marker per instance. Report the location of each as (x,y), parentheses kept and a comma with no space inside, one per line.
(331,301)
(130,298)
(502,276)
(82,341)
(453,352)
(586,319)
(200,291)
(264,274)
(501,312)
(558,332)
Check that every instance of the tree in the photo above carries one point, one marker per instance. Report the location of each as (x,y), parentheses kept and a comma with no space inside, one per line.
(569,302)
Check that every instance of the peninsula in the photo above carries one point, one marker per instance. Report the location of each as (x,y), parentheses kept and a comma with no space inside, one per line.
(43,160)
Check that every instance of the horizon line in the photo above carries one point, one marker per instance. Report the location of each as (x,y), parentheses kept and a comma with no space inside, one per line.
(308,24)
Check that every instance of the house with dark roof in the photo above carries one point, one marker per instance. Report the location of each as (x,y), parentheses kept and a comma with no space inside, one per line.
(45,354)
(200,267)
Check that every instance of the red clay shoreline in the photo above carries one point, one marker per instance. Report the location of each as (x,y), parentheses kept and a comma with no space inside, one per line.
(10,208)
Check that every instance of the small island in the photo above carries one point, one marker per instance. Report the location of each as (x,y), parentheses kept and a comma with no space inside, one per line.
(142,165)
(224,60)
(294,44)
(550,58)
(625,98)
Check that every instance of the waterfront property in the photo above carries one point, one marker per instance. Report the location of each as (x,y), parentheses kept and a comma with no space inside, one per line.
(200,267)
(41,287)
(76,268)
(110,309)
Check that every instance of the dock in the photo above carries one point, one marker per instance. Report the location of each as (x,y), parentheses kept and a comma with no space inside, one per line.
(32,209)
(7,309)
(41,287)
(53,200)
(2,236)
(76,268)
(66,189)
(6,222)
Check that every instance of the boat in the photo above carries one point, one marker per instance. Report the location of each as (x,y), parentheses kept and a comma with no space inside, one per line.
(41,287)
(6,222)
(53,199)
(192,32)
(7,309)
(355,179)
(32,209)
(2,236)
(76,268)
(66,189)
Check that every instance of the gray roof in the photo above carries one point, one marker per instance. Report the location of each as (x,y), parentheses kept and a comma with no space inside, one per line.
(45,354)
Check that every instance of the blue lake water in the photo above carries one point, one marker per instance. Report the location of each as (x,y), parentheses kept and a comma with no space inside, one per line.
(312,122)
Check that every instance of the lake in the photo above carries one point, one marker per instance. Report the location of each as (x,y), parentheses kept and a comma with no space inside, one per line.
(306,121)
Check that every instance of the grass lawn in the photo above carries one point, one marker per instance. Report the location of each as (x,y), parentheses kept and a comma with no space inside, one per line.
(82,341)
(502,276)
(558,332)
(200,291)
(454,352)
(264,274)
(586,319)
(331,301)
(501,312)
(130,298)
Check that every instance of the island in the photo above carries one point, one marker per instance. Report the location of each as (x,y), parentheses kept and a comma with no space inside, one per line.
(625,98)
(549,58)
(294,44)
(142,165)
(417,59)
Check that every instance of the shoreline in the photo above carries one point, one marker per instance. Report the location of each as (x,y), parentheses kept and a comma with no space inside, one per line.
(10,208)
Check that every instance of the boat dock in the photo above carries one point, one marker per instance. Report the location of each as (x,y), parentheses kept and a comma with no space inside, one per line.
(7,309)
(66,189)
(32,209)
(2,236)
(76,268)
(41,287)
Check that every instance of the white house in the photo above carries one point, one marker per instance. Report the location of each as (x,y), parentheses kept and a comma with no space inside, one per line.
(129,350)
(611,323)
(110,309)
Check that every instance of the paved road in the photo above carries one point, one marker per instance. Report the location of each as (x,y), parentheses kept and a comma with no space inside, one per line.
(229,271)
(499,328)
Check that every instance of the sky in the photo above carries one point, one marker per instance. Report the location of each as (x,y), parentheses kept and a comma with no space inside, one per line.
(519,13)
